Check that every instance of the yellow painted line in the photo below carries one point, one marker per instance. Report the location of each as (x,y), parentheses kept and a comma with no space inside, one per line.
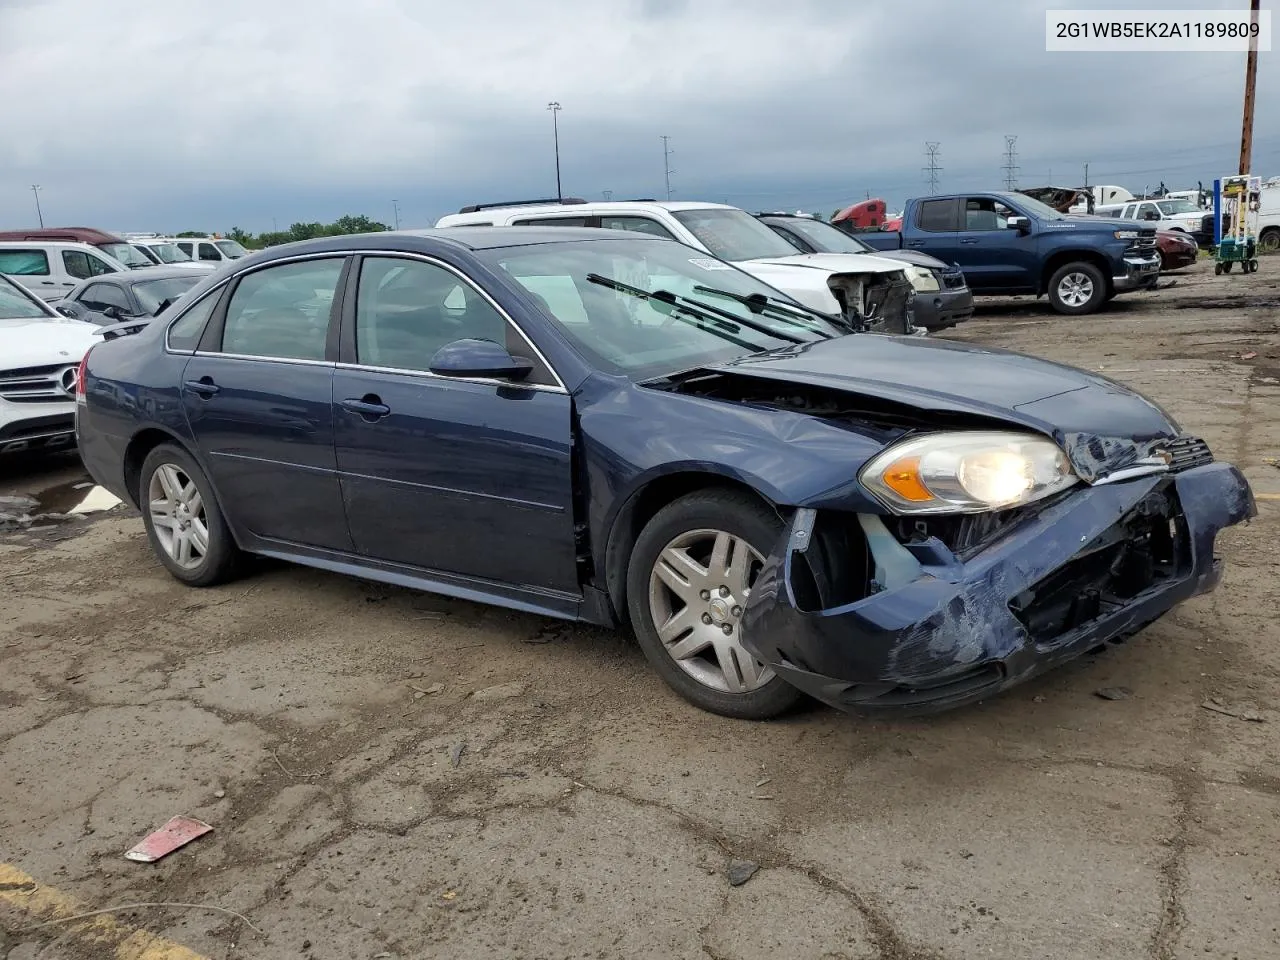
(40,903)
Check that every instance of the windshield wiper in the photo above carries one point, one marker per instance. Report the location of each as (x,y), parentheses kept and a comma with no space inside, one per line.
(721,320)
(787,312)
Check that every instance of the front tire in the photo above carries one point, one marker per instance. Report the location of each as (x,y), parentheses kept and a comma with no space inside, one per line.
(184,525)
(1077,289)
(690,573)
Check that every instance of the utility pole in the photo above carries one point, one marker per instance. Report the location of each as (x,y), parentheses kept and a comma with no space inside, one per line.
(395,208)
(666,162)
(35,192)
(608,195)
(1010,162)
(932,170)
(555,108)
(1086,175)
(1250,77)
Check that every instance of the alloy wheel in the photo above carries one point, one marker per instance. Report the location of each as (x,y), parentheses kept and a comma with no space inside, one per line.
(178,516)
(1075,289)
(697,589)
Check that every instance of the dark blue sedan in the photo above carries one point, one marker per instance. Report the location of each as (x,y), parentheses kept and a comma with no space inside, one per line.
(625,431)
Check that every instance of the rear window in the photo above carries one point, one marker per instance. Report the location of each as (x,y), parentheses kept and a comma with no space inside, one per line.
(24,263)
(938,216)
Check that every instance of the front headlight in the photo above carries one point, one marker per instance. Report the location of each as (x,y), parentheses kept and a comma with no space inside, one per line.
(1127,234)
(968,472)
(922,279)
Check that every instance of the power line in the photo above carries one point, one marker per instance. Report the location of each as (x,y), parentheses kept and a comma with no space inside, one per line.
(1010,162)
(932,170)
(666,163)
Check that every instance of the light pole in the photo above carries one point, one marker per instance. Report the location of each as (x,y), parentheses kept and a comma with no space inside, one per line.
(35,192)
(555,108)
(395,207)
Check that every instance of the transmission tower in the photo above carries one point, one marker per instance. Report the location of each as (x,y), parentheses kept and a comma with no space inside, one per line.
(932,170)
(1010,163)
(666,163)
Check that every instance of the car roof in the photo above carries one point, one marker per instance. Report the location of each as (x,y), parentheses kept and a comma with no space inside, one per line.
(577,208)
(90,235)
(465,238)
(72,244)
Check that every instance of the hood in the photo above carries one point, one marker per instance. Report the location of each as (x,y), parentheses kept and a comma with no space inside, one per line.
(43,343)
(1095,222)
(828,263)
(916,258)
(1102,425)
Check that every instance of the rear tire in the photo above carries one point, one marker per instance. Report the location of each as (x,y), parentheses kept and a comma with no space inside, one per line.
(683,611)
(1077,289)
(184,525)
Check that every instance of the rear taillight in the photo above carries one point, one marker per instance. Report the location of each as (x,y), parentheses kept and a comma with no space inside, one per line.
(80,375)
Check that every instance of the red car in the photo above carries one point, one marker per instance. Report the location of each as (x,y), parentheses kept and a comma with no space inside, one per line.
(1177,250)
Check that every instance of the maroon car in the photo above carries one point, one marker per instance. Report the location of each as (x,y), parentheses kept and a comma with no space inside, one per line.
(1177,249)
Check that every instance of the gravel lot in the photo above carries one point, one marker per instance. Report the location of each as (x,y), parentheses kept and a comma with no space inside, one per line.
(392,774)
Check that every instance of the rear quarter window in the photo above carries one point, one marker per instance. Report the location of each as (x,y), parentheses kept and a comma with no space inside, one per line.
(24,263)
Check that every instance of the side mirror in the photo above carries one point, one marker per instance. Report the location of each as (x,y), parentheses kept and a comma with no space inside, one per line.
(1151,215)
(67,311)
(113,312)
(1021,224)
(479,358)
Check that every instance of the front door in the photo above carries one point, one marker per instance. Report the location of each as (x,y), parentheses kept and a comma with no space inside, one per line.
(993,256)
(466,477)
(258,397)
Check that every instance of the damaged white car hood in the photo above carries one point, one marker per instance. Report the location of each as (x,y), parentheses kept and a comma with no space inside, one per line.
(44,342)
(805,276)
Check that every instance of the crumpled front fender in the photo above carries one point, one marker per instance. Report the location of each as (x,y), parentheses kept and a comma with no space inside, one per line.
(932,631)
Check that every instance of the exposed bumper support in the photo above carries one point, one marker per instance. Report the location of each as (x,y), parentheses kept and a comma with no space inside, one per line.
(1139,272)
(938,632)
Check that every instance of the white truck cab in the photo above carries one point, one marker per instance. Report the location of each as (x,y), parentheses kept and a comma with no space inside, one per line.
(869,291)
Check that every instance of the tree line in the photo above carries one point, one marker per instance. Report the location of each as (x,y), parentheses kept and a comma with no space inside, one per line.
(298,231)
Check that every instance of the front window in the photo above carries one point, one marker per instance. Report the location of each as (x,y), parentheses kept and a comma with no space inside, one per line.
(825,238)
(16,305)
(1041,211)
(733,234)
(168,253)
(1171,208)
(641,338)
(127,254)
(232,249)
(152,293)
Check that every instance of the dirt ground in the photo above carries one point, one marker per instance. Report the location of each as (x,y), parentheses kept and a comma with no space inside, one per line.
(397,775)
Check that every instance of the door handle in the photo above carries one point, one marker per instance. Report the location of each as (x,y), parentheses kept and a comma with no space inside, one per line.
(915,243)
(968,239)
(370,406)
(204,387)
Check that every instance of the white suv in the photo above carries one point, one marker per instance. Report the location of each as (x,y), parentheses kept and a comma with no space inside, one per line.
(40,351)
(213,250)
(870,292)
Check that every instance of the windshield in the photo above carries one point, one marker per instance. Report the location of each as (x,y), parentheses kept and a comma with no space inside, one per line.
(127,254)
(734,234)
(168,253)
(1173,207)
(152,293)
(1041,211)
(16,305)
(825,238)
(582,285)
(231,249)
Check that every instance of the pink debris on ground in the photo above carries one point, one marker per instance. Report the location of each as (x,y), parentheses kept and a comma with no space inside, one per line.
(176,833)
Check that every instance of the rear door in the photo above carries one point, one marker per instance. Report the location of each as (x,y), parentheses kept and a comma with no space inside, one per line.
(934,229)
(993,256)
(258,397)
(470,477)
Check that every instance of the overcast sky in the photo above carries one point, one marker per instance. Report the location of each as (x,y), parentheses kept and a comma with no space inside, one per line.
(171,114)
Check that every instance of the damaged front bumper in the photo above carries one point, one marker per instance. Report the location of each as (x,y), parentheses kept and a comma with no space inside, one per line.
(1140,272)
(937,629)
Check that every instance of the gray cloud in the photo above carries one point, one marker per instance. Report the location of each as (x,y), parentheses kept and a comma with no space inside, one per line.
(156,115)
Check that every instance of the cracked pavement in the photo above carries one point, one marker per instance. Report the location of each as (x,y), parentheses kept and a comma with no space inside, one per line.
(367,803)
